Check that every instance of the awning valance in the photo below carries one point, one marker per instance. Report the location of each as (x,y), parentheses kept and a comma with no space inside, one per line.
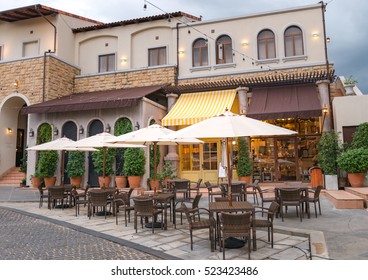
(299,101)
(107,99)
(195,107)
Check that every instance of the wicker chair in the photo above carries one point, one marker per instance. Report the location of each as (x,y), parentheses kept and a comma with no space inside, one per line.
(268,222)
(314,198)
(237,191)
(193,209)
(291,197)
(181,191)
(146,208)
(194,186)
(194,224)
(251,189)
(235,225)
(56,194)
(97,199)
(122,201)
(266,195)
(44,194)
(79,198)
(211,192)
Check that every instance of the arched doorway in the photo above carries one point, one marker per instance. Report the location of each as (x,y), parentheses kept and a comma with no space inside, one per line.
(13,126)
(94,128)
(69,130)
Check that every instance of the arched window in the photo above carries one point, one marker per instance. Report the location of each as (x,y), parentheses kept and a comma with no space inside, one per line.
(200,53)
(293,38)
(224,50)
(266,44)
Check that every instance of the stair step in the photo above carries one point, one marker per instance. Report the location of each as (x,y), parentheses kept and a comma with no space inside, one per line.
(361,192)
(345,200)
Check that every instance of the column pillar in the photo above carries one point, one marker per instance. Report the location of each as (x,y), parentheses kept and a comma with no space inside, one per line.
(243,96)
(172,155)
(323,89)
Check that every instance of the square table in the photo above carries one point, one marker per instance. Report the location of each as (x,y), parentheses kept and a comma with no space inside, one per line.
(237,206)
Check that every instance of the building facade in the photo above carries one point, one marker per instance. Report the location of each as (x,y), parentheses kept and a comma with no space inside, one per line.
(81,76)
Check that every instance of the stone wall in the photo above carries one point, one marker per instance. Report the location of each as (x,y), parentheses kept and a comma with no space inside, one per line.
(129,79)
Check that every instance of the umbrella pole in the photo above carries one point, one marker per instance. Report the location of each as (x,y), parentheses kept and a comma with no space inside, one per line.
(154,167)
(104,166)
(62,167)
(229,171)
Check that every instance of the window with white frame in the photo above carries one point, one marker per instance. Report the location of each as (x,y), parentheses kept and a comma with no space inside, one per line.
(224,50)
(200,53)
(266,44)
(106,63)
(293,38)
(157,56)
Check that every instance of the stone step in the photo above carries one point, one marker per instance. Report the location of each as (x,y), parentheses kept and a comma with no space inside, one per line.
(345,200)
(361,192)
(12,178)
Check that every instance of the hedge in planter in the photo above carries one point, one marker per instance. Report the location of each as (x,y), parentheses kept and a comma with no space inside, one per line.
(75,166)
(244,166)
(98,162)
(134,162)
(354,160)
(328,150)
(47,163)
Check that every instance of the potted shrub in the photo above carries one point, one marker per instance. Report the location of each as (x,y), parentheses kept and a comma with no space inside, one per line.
(328,150)
(23,164)
(98,164)
(355,162)
(22,183)
(46,167)
(134,165)
(152,180)
(244,166)
(75,167)
(36,179)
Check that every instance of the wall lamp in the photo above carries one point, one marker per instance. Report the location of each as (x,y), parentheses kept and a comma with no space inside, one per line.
(328,39)
(16,83)
(137,126)
(56,131)
(81,129)
(9,130)
(324,110)
(108,128)
(31,133)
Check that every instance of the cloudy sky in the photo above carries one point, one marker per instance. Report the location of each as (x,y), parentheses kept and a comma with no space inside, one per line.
(346,21)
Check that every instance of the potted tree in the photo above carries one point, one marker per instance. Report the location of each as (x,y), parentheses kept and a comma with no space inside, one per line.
(46,167)
(98,164)
(355,162)
(244,166)
(152,180)
(36,179)
(134,165)
(75,167)
(328,150)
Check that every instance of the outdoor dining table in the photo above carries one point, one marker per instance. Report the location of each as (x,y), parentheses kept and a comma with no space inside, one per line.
(301,187)
(236,206)
(163,199)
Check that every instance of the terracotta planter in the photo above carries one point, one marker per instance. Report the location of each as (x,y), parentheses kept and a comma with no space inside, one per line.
(36,182)
(245,179)
(76,181)
(134,181)
(49,181)
(356,180)
(121,182)
(104,183)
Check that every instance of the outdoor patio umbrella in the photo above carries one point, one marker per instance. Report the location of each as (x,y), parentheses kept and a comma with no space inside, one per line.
(60,144)
(102,140)
(228,125)
(154,135)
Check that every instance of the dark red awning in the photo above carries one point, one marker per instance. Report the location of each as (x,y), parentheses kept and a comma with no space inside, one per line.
(299,101)
(92,100)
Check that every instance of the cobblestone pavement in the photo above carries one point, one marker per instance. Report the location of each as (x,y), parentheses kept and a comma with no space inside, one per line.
(26,238)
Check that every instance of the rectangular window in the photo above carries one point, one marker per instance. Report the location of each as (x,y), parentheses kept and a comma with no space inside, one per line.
(106,63)
(30,48)
(157,56)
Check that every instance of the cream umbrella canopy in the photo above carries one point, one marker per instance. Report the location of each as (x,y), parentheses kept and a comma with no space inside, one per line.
(102,140)
(60,144)
(228,125)
(154,135)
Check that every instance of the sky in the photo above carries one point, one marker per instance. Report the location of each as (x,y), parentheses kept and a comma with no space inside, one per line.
(346,22)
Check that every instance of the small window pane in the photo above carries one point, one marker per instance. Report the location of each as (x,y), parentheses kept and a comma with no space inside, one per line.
(157,56)
(224,52)
(200,53)
(106,63)
(266,45)
(293,41)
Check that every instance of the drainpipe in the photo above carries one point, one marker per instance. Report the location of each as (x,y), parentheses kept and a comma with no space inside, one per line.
(177,54)
(44,54)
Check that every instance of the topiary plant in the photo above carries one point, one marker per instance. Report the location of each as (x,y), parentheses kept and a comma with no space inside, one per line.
(328,150)
(354,160)
(244,165)
(75,166)
(47,163)
(98,162)
(134,162)
(360,136)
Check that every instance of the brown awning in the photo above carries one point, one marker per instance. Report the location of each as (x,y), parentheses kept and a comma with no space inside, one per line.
(300,101)
(92,100)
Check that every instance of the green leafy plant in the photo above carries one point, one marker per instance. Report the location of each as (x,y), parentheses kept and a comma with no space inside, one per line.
(328,150)
(350,81)
(134,162)
(354,160)
(168,171)
(122,126)
(158,156)
(23,163)
(98,161)
(244,165)
(75,166)
(360,136)
(47,163)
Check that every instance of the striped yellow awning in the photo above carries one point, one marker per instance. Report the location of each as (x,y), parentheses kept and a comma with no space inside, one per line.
(195,107)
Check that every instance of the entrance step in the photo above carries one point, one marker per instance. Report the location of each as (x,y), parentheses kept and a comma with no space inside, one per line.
(12,178)
(361,192)
(345,200)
